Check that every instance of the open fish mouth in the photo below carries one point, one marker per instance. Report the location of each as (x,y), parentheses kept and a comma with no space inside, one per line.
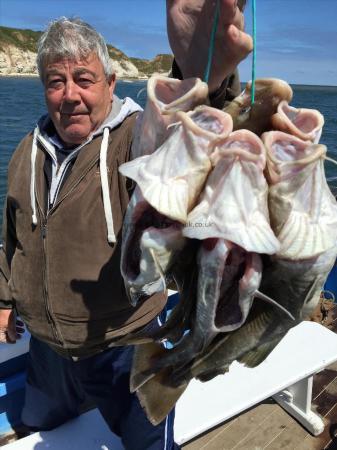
(303,212)
(165,97)
(149,220)
(150,242)
(306,124)
(240,280)
(269,92)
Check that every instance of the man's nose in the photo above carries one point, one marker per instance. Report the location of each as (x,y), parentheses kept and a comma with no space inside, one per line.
(71,92)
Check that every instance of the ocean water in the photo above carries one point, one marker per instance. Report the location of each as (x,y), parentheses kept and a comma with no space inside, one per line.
(22,103)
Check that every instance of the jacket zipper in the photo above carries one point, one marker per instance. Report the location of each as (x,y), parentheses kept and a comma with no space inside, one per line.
(50,318)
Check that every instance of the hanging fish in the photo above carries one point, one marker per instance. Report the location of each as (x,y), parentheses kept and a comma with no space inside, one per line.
(269,92)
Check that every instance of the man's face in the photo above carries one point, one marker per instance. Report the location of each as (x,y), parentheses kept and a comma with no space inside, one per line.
(78,97)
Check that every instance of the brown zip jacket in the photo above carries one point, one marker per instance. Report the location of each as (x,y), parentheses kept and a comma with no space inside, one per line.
(64,276)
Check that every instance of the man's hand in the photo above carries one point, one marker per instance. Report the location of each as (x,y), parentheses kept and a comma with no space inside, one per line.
(11,329)
(189,27)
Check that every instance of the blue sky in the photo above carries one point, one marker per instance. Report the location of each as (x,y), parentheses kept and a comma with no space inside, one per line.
(296,39)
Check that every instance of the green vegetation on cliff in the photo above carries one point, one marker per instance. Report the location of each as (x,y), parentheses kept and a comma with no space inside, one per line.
(161,63)
(22,39)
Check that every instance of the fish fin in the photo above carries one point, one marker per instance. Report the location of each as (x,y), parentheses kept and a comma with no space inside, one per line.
(169,198)
(132,169)
(210,374)
(301,238)
(141,370)
(269,300)
(259,354)
(157,398)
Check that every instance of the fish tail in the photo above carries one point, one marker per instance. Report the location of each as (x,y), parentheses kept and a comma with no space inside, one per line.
(157,398)
(142,365)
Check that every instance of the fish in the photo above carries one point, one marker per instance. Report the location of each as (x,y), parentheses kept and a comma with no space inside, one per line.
(296,285)
(257,117)
(306,124)
(147,252)
(229,267)
(171,178)
(234,202)
(149,248)
(165,96)
(294,279)
(250,344)
(150,244)
(303,211)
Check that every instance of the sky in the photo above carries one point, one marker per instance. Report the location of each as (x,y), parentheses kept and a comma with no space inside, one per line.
(296,39)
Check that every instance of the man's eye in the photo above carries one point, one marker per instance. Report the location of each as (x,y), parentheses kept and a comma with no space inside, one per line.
(55,83)
(84,82)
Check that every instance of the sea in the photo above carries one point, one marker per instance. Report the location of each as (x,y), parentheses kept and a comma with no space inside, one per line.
(22,103)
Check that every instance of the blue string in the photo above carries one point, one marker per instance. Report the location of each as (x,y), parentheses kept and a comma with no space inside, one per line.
(254,51)
(212,42)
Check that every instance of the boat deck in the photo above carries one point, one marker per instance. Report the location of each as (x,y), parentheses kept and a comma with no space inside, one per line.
(268,426)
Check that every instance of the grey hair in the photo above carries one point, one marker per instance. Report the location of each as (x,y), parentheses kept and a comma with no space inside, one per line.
(71,38)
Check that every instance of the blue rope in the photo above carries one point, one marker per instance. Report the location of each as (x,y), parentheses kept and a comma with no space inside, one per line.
(212,42)
(254,51)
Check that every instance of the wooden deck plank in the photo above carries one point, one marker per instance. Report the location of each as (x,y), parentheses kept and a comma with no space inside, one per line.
(230,431)
(292,433)
(264,434)
(326,400)
(246,424)
(206,438)
(322,379)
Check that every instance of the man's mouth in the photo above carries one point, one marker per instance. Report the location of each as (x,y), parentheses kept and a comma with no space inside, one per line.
(74,114)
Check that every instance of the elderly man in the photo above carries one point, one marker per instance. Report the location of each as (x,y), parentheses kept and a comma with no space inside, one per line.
(59,265)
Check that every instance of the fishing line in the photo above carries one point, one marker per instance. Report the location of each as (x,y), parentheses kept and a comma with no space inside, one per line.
(254,51)
(212,42)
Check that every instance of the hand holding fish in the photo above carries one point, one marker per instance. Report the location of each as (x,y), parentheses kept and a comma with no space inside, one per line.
(189,27)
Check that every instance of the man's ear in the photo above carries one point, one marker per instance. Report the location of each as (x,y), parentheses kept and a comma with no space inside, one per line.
(112,83)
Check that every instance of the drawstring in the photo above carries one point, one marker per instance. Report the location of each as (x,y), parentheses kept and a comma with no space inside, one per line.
(32,177)
(104,182)
(105,187)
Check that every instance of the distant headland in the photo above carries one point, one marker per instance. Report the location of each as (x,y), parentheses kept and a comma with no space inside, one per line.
(18,54)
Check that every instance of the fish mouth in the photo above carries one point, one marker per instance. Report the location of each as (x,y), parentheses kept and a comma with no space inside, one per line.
(149,218)
(241,278)
(141,264)
(229,312)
